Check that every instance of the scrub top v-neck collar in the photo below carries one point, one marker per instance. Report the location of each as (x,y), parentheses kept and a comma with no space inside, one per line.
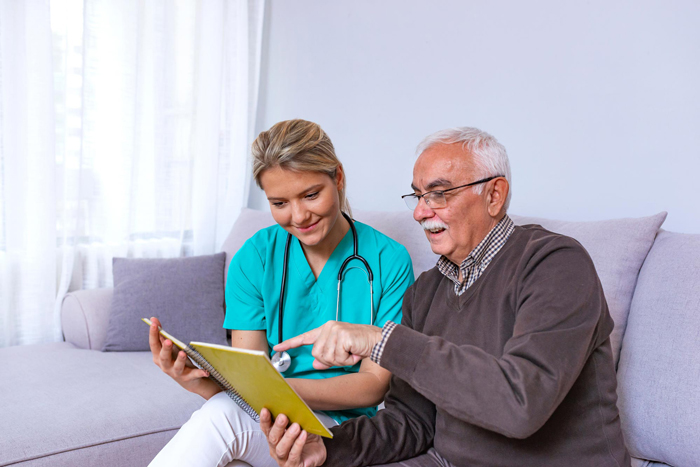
(328,278)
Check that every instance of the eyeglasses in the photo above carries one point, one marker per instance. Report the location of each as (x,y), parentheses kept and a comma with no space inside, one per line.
(436,199)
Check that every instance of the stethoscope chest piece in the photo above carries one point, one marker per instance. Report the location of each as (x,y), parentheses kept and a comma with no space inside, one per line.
(281,361)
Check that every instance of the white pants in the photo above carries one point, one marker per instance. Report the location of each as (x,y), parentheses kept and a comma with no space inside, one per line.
(220,434)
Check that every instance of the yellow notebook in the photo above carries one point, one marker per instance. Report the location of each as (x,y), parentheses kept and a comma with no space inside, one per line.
(251,381)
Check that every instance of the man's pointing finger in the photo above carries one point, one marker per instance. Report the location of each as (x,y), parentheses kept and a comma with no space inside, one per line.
(307,338)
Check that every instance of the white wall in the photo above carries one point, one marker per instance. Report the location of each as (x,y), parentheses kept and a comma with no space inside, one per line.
(597,102)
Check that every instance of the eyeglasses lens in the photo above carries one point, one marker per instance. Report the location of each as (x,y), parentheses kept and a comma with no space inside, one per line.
(432,199)
(436,199)
(411,202)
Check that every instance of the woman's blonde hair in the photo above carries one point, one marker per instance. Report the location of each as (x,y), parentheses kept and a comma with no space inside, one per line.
(300,146)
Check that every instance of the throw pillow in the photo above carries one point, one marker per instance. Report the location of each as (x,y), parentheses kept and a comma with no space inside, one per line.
(185,294)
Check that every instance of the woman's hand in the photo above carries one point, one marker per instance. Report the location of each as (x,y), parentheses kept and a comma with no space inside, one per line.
(179,368)
(291,447)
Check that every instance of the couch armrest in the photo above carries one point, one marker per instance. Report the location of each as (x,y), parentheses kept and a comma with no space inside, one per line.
(85,316)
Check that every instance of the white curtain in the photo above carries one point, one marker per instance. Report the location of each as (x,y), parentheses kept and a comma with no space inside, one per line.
(125,128)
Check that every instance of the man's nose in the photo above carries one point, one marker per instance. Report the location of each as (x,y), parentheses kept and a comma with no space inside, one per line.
(422,210)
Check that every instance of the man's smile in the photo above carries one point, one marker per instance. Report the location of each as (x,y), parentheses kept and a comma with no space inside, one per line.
(433,227)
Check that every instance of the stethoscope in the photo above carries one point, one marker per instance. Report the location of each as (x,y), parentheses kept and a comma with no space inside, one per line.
(281,360)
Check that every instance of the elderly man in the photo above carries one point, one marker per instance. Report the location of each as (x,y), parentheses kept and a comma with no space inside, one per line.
(503,354)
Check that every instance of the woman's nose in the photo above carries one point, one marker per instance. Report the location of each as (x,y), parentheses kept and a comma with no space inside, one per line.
(299,214)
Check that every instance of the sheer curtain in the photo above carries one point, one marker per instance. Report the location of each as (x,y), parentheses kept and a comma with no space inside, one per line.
(125,128)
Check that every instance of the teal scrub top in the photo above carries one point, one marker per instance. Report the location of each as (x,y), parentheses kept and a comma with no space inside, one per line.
(255,277)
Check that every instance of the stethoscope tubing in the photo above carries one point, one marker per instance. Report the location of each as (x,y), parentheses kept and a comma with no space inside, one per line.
(283,361)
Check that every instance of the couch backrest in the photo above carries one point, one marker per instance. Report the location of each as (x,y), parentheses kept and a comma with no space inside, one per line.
(618,248)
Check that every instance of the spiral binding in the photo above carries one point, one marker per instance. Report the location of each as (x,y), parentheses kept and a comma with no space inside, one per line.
(221,381)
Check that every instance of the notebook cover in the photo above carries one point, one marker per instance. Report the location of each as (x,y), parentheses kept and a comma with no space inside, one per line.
(257,381)
(252,375)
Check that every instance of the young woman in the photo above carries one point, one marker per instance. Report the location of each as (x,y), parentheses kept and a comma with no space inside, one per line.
(296,166)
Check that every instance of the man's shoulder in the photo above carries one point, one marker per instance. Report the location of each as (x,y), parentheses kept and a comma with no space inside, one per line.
(533,246)
(534,237)
(526,242)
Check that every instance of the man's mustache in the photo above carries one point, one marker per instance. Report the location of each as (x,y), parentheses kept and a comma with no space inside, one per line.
(433,224)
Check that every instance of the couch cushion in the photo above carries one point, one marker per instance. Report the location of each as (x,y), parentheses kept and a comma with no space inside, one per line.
(618,248)
(134,451)
(186,294)
(67,406)
(645,463)
(659,371)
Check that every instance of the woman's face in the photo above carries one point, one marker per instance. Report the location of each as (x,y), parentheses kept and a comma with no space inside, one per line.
(305,204)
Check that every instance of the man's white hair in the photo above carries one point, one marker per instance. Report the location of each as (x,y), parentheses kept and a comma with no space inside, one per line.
(490,157)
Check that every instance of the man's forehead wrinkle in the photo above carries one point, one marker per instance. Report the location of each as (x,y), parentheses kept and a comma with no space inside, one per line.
(441,166)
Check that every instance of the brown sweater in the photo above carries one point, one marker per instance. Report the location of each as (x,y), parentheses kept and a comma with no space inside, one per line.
(517,370)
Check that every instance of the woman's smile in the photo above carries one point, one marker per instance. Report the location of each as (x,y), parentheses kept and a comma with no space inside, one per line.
(308,228)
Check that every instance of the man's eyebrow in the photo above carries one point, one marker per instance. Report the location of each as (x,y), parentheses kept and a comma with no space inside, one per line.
(440,182)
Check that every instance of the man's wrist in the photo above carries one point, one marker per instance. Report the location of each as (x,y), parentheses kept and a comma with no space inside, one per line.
(378,349)
(377,336)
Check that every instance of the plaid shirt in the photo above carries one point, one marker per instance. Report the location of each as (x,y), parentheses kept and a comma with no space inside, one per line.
(475,264)
(472,268)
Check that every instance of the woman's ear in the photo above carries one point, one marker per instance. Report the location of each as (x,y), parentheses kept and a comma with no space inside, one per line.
(339,177)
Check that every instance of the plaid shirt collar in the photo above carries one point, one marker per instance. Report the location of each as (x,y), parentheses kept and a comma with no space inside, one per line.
(479,258)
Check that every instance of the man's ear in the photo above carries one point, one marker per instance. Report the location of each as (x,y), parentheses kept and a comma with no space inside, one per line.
(497,195)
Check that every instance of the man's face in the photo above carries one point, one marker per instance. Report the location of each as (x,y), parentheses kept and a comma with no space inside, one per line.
(456,229)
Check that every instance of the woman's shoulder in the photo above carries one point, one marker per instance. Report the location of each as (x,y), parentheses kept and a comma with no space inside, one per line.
(268,234)
(262,241)
(384,244)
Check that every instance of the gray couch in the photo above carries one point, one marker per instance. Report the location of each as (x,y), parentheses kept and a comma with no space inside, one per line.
(68,404)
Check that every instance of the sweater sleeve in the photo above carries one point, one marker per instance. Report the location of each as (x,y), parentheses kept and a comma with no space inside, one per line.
(558,306)
(402,430)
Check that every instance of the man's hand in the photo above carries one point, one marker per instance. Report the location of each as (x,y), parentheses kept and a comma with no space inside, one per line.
(178,367)
(291,447)
(336,343)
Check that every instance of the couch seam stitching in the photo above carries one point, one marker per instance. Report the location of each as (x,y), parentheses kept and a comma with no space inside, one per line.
(87,325)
